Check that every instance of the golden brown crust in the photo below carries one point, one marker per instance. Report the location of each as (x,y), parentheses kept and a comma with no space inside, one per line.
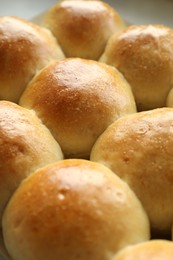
(139,148)
(25,48)
(25,145)
(143,53)
(77,99)
(152,250)
(73,208)
(82,28)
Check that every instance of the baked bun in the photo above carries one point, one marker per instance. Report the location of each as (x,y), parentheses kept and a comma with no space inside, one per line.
(26,145)
(152,250)
(143,54)
(139,148)
(77,99)
(73,209)
(81,27)
(25,48)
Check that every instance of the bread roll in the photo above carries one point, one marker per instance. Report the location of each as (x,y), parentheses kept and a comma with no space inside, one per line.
(82,28)
(143,54)
(77,99)
(25,145)
(73,209)
(150,250)
(139,148)
(24,49)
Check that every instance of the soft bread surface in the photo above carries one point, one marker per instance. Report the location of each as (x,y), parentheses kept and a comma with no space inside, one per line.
(143,54)
(82,28)
(26,145)
(73,209)
(25,48)
(77,99)
(139,148)
(150,250)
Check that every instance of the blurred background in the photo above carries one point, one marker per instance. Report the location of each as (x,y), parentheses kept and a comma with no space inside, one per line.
(133,11)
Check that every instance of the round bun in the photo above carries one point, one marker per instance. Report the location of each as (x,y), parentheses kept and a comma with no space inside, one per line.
(73,208)
(152,250)
(25,48)
(26,145)
(139,148)
(81,27)
(77,99)
(143,54)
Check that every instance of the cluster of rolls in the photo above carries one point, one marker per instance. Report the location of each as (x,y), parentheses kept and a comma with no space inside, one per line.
(86,136)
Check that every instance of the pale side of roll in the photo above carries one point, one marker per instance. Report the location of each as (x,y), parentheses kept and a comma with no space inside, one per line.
(83,28)
(73,209)
(169,100)
(77,99)
(143,54)
(25,145)
(139,148)
(150,250)
(25,48)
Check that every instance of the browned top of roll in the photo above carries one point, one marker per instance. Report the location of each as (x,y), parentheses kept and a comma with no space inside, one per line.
(143,53)
(71,209)
(77,99)
(25,48)
(82,28)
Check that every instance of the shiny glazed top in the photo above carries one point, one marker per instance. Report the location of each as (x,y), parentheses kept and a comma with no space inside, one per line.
(73,208)
(77,99)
